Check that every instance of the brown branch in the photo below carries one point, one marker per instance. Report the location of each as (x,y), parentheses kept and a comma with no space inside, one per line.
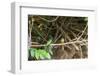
(68,37)
(49,20)
(60,44)
(35,43)
(81,53)
(82,33)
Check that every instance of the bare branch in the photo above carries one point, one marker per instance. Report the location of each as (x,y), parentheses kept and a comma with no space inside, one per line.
(60,44)
(49,20)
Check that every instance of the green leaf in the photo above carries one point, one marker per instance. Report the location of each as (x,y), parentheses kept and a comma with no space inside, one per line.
(48,47)
(49,42)
(44,54)
(32,53)
(41,56)
(48,56)
(32,50)
(50,50)
(39,53)
(36,54)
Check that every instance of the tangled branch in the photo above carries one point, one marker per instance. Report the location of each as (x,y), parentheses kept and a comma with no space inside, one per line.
(72,29)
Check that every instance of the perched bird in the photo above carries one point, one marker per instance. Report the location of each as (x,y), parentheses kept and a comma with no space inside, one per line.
(62,41)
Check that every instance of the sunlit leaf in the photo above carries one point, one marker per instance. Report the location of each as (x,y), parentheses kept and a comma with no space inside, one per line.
(48,56)
(41,56)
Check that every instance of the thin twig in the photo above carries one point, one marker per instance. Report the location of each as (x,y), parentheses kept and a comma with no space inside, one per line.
(82,33)
(49,20)
(81,53)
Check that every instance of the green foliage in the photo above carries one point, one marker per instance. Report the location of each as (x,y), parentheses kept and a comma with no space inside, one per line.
(48,47)
(32,52)
(39,54)
(42,53)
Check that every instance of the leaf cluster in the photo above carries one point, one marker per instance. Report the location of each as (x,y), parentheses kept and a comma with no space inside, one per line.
(39,54)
